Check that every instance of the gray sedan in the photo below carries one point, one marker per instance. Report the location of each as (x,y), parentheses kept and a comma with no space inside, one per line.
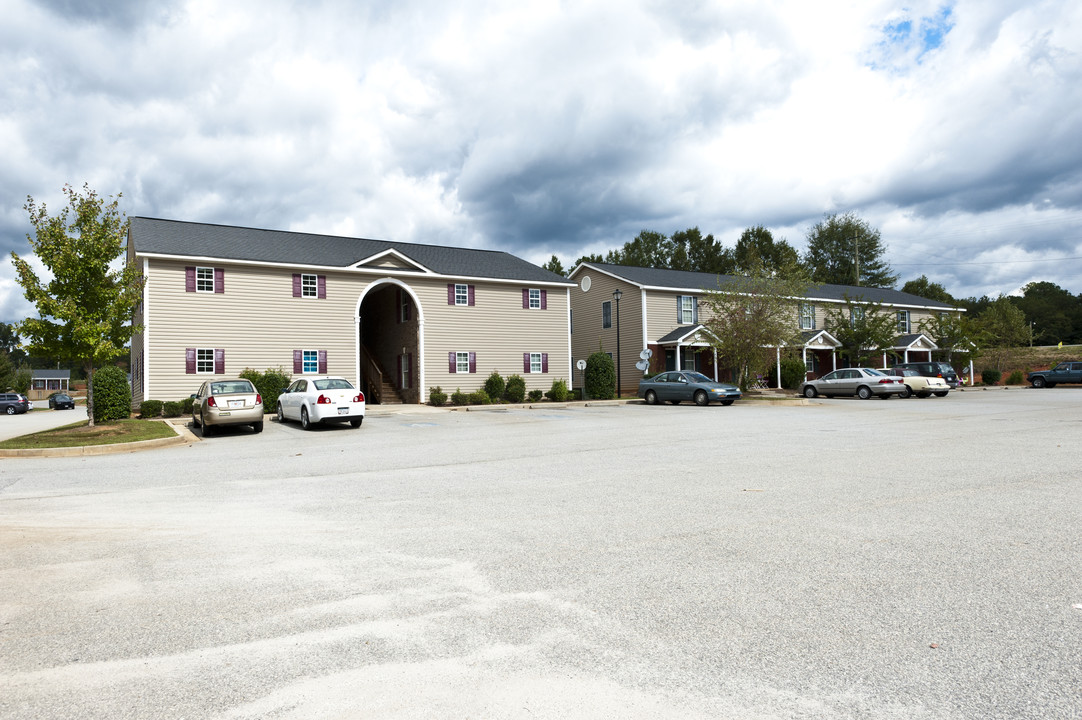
(227,402)
(680,385)
(862,382)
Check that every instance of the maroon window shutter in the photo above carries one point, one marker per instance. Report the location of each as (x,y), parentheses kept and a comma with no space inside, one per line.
(322,361)
(298,361)
(189,279)
(219,280)
(544,362)
(450,293)
(219,361)
(296,284)
(452,364)
(469,295)
(525,298)
(473,362)
(321,287)
(544,300)
(409,371)
(526,363)
(398,378)
(189,361)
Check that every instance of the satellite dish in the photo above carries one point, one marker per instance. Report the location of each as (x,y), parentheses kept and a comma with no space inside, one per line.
(642,365)
(581,364)
(646,354)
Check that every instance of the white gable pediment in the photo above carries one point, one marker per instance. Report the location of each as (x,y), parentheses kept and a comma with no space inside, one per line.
(390,259)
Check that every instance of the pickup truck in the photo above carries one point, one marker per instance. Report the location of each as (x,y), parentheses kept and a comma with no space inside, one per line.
(1065,372)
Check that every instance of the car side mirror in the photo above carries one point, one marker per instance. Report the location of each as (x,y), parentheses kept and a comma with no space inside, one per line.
(283,391)
(193,396)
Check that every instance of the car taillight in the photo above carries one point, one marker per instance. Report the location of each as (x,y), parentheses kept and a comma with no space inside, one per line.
(324,400)
(210,402)
(359,398)
(886,381)
(258,399)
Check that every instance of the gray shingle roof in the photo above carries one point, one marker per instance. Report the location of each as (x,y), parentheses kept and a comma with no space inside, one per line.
(188,239)
(51,374)
(693,281)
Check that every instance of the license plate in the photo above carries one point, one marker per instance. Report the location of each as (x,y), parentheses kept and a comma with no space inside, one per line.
(343,411)
(236,403)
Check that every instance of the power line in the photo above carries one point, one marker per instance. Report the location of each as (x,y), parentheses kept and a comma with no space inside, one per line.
(996,262)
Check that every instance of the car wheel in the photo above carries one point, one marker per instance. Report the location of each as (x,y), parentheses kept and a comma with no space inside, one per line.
(208,430)
(281,415)
(907,392)
(305,422)
(355,423)
(728,402)
(809,392)
(1038,382)
(701,398)
(942,393)
(11,409)
(258,427)
(864,392)
(651,397)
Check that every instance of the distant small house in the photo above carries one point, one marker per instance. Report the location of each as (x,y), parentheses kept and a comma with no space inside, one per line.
(44,383)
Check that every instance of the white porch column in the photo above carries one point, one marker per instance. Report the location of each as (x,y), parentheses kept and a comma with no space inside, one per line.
(678,353)
(777,360)
(804,359)
(834,359)
(715,364)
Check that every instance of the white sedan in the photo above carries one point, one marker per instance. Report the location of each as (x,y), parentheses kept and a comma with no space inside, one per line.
(321,399)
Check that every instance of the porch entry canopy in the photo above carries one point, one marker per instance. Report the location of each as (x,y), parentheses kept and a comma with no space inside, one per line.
(690,336)
(915,342)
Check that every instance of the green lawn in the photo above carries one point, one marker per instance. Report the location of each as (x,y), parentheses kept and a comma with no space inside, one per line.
(80,434)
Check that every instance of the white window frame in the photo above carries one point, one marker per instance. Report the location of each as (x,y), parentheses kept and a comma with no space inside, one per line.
(535,299)
(687,309)
(855,315)
(462,294)
(807,316)
(535,363)
(204,279)
(462,363)
(309,285)
(313,356)
(204,361)
(903,322)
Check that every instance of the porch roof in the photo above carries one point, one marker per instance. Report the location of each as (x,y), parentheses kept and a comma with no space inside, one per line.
(681,335)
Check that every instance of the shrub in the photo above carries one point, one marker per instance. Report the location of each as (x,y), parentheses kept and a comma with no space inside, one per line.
(186,406)
(600,376)
(268,384)
(990,376)
(480,397)
(516,389)
(536,395)
(171,408)
(112,394)
(793,373)
(559,391)
(437,396)
(460,398)
(495,386)
(1016,378)
(149,408)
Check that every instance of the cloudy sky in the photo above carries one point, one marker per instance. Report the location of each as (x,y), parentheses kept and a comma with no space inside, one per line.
(562,127)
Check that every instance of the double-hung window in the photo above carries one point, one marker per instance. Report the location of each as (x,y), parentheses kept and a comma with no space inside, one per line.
(903,321)
(204,360)
(462,296)
(606,314)
(856,314)
(309,286)
(685,305)
(462,362)
(204,279)
(807,316)
(535,362)
(309,361)
(535,299)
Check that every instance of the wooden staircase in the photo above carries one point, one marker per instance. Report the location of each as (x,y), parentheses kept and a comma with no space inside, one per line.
(380,388)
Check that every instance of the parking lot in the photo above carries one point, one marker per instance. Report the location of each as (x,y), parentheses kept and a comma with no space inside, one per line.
(845,559)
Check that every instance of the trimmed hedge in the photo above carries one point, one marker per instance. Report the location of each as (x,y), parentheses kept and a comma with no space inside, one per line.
(150,409)
(515,391)
(112,394)
(600,376)
(437,396)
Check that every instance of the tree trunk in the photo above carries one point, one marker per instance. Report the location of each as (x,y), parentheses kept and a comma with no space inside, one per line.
(90,392)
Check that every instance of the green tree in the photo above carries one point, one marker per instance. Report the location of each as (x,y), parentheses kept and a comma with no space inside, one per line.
(10,341)
(554,265)
(923,287)
(834,247)
(952,333)
(1055,314)
(649,249)
(704,253)
(864,329)
(7,372)
(751,315)
(24,378)
(114,395)
(594,258)
(757,249)
(1002,327)
(600,376)
(86,308)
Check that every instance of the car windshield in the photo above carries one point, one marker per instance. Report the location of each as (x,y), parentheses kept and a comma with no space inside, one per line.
(332,384)
(872,371)
(235,386)
(698,377)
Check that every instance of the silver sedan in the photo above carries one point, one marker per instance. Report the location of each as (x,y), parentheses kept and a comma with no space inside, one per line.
(227,402)
(862,382)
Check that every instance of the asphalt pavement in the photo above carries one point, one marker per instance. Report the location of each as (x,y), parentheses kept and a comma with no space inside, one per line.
(843,559)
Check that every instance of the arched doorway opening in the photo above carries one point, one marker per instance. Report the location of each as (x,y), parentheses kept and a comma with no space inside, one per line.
(390,344)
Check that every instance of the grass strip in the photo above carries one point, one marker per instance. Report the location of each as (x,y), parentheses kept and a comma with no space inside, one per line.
(80,434)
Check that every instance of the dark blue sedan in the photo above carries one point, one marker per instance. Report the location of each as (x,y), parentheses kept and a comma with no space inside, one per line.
(679,385)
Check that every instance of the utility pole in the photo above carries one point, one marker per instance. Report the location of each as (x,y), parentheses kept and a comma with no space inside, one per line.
(856,256)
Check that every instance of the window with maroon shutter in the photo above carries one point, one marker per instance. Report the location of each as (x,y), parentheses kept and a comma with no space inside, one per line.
(298,362)
(321,287)
(322,362)
(219,280)
(189,279)
(533,299)
(473,362)
(526,362)
(452,362)
(460,294)
(544,300)
(296,284)
(525,299)
(201,361)
(535,362)
(189,358)
(544,362)
(219,361)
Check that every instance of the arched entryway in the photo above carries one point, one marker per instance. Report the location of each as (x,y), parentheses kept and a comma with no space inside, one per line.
(390,343)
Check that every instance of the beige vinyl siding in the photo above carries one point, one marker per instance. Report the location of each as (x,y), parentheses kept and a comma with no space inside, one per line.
(661,312)
(589,335)
(497,329)
(257,321)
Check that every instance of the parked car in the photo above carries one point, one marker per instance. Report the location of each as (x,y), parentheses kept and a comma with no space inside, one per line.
(227,402)
(1065,372)
(13,403)
(933,369)
(61,401)
(917,384)
(677,386)
(324,399)
(862,382)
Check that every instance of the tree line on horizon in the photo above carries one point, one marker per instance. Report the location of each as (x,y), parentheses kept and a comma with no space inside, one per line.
(842,249)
